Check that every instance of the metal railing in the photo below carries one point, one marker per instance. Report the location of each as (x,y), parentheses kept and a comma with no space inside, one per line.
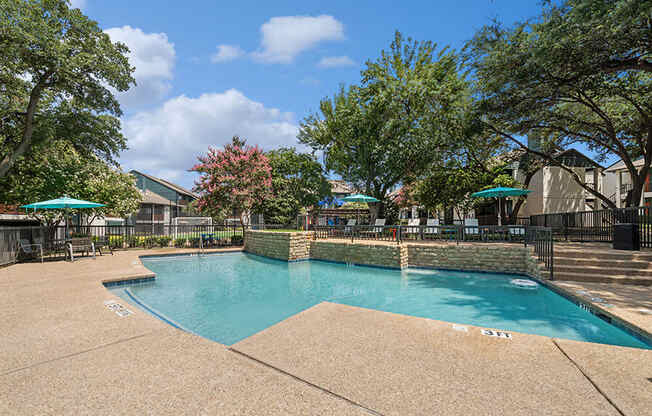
(9,238)
(540,238)
(53,239)
(596,226)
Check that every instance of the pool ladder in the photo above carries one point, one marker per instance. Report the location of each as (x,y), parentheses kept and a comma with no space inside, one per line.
(201,246)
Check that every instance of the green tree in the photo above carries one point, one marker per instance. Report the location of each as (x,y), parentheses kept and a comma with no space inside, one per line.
(298,181)
(579,74)
(56,71)
(56,169)
(395,123)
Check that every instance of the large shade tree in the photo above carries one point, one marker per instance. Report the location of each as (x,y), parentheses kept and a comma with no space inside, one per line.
(237,178)
(395,123)
(298,181)
(579,74)
(57,169)
(57,69)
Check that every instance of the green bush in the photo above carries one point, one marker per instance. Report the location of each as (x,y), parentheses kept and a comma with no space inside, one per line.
(180,242)
(116,241)
(237,240)
(194,241)
(150,241)
(164,241)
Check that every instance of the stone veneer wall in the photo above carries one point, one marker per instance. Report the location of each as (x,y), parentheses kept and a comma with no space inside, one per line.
(279,245)
(488,258)
(385,255)
(481,257)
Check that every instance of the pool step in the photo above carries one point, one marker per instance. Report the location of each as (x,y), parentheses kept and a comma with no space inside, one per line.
(603,266)
(602,271)
(614,278)
(611,264)
(591,254)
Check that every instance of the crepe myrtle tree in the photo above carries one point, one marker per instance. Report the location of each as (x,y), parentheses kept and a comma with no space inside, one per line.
(236,178)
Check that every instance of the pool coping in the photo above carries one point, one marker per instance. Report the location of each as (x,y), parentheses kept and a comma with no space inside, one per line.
(593,308)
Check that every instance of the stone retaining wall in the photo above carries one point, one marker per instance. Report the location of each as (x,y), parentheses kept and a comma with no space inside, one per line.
(487,258)
(283,246)
(481,257)
(385,255)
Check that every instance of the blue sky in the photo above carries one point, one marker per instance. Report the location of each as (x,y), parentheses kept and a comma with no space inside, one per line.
(207,70)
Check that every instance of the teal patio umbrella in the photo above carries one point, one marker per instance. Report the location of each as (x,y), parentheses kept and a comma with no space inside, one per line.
(500,192)
(64,203)
(359,198)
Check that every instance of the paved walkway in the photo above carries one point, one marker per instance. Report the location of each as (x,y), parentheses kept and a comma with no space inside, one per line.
(64,352)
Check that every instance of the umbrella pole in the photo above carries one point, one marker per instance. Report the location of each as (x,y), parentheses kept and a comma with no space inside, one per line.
(500,200)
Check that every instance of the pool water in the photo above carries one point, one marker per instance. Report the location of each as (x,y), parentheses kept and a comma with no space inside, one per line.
(228,297)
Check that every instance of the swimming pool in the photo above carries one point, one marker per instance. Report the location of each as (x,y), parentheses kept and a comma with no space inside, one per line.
(228,297)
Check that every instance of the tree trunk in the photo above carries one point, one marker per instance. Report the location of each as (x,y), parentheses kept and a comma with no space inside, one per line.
(517,207)
(13,154)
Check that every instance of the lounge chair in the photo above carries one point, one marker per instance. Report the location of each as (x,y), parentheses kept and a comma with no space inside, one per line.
(348,229)
(432,227)
(30,250)
(413,226)
(471,227)
(376,229)
(516,231)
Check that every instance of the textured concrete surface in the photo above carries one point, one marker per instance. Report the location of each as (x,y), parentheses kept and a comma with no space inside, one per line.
(401,365)
(63,352)
(630,303)
(622,374)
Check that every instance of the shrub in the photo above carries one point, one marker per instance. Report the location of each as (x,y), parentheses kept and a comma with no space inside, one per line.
(116,241)
(164,241)
(180,242)
(237,240)
(150,241)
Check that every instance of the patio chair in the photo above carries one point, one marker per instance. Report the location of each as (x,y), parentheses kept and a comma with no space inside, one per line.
(432,227)
(471,227)
(348,228)
(321,221)
(516,231)
(83,245)
(30,250)
(413,226)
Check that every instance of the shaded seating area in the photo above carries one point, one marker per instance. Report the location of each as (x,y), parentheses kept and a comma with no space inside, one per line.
(82,245)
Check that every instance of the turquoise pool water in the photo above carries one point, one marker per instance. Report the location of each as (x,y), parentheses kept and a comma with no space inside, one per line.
(228,297)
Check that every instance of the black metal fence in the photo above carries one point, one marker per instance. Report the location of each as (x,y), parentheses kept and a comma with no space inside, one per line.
(53,239)
(541,238)
(9,237)
(596,226)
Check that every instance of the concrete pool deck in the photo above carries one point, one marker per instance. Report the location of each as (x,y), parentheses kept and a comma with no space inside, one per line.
(64,352)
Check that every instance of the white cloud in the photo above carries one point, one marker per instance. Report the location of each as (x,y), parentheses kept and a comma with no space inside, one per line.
(335,61)
(166,141)
(227,53)
(283,38)
(77,4)
(153,57)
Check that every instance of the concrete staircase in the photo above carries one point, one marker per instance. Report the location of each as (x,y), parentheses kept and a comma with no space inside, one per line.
(603,265)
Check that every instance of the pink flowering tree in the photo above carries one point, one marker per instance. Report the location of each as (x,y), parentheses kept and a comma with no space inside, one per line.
(237,178)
